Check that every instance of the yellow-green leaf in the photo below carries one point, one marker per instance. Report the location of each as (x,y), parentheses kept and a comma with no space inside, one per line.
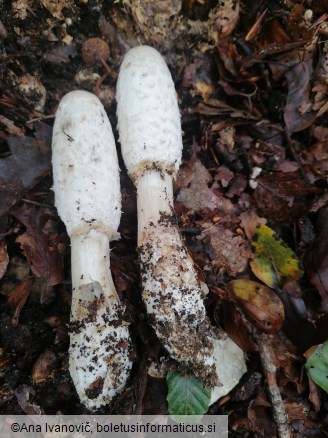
(317,366)
(274,262)
(259,303)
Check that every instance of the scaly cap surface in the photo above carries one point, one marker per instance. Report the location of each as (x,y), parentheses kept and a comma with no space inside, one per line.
(148,114)
(85,166)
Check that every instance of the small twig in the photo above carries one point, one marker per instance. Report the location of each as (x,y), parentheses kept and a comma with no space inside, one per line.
(50,116)
(269,369)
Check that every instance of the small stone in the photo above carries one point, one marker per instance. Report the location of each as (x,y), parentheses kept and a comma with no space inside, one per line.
(95,49)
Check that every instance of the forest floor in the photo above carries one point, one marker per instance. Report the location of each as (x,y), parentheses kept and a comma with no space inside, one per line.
(252,81)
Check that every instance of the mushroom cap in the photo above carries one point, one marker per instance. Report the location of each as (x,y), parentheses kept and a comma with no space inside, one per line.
(148,114)
(85,166)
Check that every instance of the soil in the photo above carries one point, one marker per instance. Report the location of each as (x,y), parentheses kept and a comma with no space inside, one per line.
(251,79)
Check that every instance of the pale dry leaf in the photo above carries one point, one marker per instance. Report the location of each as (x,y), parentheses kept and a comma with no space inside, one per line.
(249,220)
(10,126)
(197,196)
(227,249)
(55,7)
(224,175)
(224,19)
(20,8)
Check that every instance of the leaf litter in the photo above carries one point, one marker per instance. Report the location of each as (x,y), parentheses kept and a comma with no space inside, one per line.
(252,84)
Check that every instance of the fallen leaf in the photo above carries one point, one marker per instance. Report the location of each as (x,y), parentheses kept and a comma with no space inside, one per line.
(297,410)
(317,366)
(224,19)
(224,175)
(55,7)
(44,366)
(274,262)
(314,395)
(287,166)
(61,54)
(268,51)
(248,387)
(196,76)
(42,243)
(119,41)
(299,87)
(316,159)
(195,196)
(186,395)
(29,161)
(235,324)
(17,299)
(284,197)
(249,221)
(4,361)
(259,303)
(10,126)
(227,249)
(259,416)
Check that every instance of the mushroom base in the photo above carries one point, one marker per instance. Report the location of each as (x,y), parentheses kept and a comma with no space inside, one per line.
(173,295)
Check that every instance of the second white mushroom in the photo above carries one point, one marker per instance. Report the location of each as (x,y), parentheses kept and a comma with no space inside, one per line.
(151,140)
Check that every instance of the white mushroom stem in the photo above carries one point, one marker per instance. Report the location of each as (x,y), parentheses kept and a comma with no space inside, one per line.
(87,197)
(160,190)
(150,135)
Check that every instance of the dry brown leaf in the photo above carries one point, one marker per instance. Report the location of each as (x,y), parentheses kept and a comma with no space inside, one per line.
(17,299)
(235,324)
(226,249)
(155,19)
(20,8)
(249,220)
(259,303)
(28,162)
(195,195)
(10,126)
(314,395)
(55,7)
(224,175)
(44,366)
(284,197)
(224,19)
(317,159)
(42,243)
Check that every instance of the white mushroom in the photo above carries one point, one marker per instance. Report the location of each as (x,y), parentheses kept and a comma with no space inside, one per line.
(150,135)
(87,197)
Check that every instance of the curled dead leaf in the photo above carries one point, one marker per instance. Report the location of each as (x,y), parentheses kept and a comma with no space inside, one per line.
(259,303)
(44,366)
(18,297)
(42,243)
(4,361)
